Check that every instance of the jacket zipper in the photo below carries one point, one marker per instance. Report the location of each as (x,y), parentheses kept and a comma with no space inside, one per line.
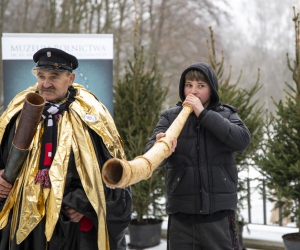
(199,163)
(208,173)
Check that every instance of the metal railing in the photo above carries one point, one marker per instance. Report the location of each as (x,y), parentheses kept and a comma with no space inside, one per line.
(264,198)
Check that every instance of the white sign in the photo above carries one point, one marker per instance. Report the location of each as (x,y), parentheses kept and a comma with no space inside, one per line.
(93,51)
(83,46)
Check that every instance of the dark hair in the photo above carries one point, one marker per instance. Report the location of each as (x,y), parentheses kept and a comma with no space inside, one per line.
(195,75)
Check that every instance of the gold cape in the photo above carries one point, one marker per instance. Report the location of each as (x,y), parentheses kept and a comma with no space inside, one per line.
(72,133)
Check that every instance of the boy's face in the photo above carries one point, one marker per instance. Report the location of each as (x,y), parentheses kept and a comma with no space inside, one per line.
(200,89)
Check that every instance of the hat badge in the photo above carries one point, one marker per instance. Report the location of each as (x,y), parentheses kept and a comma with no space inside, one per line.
(49,53)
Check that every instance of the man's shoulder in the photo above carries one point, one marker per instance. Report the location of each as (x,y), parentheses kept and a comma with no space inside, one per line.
(84,93)
(87,100)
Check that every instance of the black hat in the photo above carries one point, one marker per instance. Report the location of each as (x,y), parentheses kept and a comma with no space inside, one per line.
(55,59)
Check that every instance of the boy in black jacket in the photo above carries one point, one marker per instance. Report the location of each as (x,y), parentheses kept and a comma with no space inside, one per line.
(201,176)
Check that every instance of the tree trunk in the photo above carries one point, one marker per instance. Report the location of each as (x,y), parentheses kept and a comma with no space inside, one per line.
(3,6)
(118,38)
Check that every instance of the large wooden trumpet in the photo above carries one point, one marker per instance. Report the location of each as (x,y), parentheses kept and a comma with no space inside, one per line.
(118,173)
(29,120)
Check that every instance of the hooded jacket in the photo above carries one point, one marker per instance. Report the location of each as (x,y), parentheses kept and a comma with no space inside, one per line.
(201,175)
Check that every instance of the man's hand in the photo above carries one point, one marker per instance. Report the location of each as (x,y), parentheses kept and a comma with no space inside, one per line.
(195,102)
(74,215)
(174,142)
(5,187)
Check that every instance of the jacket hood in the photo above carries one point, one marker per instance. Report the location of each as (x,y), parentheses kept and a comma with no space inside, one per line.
(211,78)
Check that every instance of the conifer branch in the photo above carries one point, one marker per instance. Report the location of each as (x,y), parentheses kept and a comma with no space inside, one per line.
(213,47)
(209,54)
(250,111)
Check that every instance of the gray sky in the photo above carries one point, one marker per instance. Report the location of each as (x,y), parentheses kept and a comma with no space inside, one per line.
(258,35)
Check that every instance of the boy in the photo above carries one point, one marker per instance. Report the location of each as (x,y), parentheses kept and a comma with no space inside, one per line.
(201,176)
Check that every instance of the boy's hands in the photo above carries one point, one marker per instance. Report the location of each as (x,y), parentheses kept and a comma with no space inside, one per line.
(195,102)
(174,142)
(5,187)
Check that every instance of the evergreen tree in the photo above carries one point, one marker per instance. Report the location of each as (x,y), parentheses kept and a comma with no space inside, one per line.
(139,98)
(249,111)
(280,160)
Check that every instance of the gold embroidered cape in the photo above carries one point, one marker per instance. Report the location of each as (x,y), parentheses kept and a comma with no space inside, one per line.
(72,133)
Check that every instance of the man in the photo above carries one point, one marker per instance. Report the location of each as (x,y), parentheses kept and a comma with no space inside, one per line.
(61,202)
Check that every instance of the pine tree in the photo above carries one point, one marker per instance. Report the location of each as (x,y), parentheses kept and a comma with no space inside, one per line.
(139,98)
(249,111)
(280,160)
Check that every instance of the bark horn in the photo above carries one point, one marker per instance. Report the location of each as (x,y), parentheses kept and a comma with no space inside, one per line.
(29,120)
(119,173)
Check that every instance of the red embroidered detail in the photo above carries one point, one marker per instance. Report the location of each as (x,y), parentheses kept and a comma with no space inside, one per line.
(42,177)
(58,117)
(48,154)
(86,224)
(235,236)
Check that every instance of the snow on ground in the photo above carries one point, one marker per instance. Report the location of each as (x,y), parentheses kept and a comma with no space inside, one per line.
(161,246)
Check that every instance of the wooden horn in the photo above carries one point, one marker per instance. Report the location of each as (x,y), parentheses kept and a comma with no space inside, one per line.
(30,118)
(119,173)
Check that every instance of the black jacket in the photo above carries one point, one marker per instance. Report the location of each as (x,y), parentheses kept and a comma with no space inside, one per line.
(201,176)
(67,235)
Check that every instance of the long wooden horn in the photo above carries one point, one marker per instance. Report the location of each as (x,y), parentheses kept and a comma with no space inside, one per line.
(30,117)
(118,173)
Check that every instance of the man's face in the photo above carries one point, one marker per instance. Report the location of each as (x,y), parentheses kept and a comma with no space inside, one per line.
(199,89)
(53,85)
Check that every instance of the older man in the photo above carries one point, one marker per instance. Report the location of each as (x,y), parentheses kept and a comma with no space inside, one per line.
(61,202)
